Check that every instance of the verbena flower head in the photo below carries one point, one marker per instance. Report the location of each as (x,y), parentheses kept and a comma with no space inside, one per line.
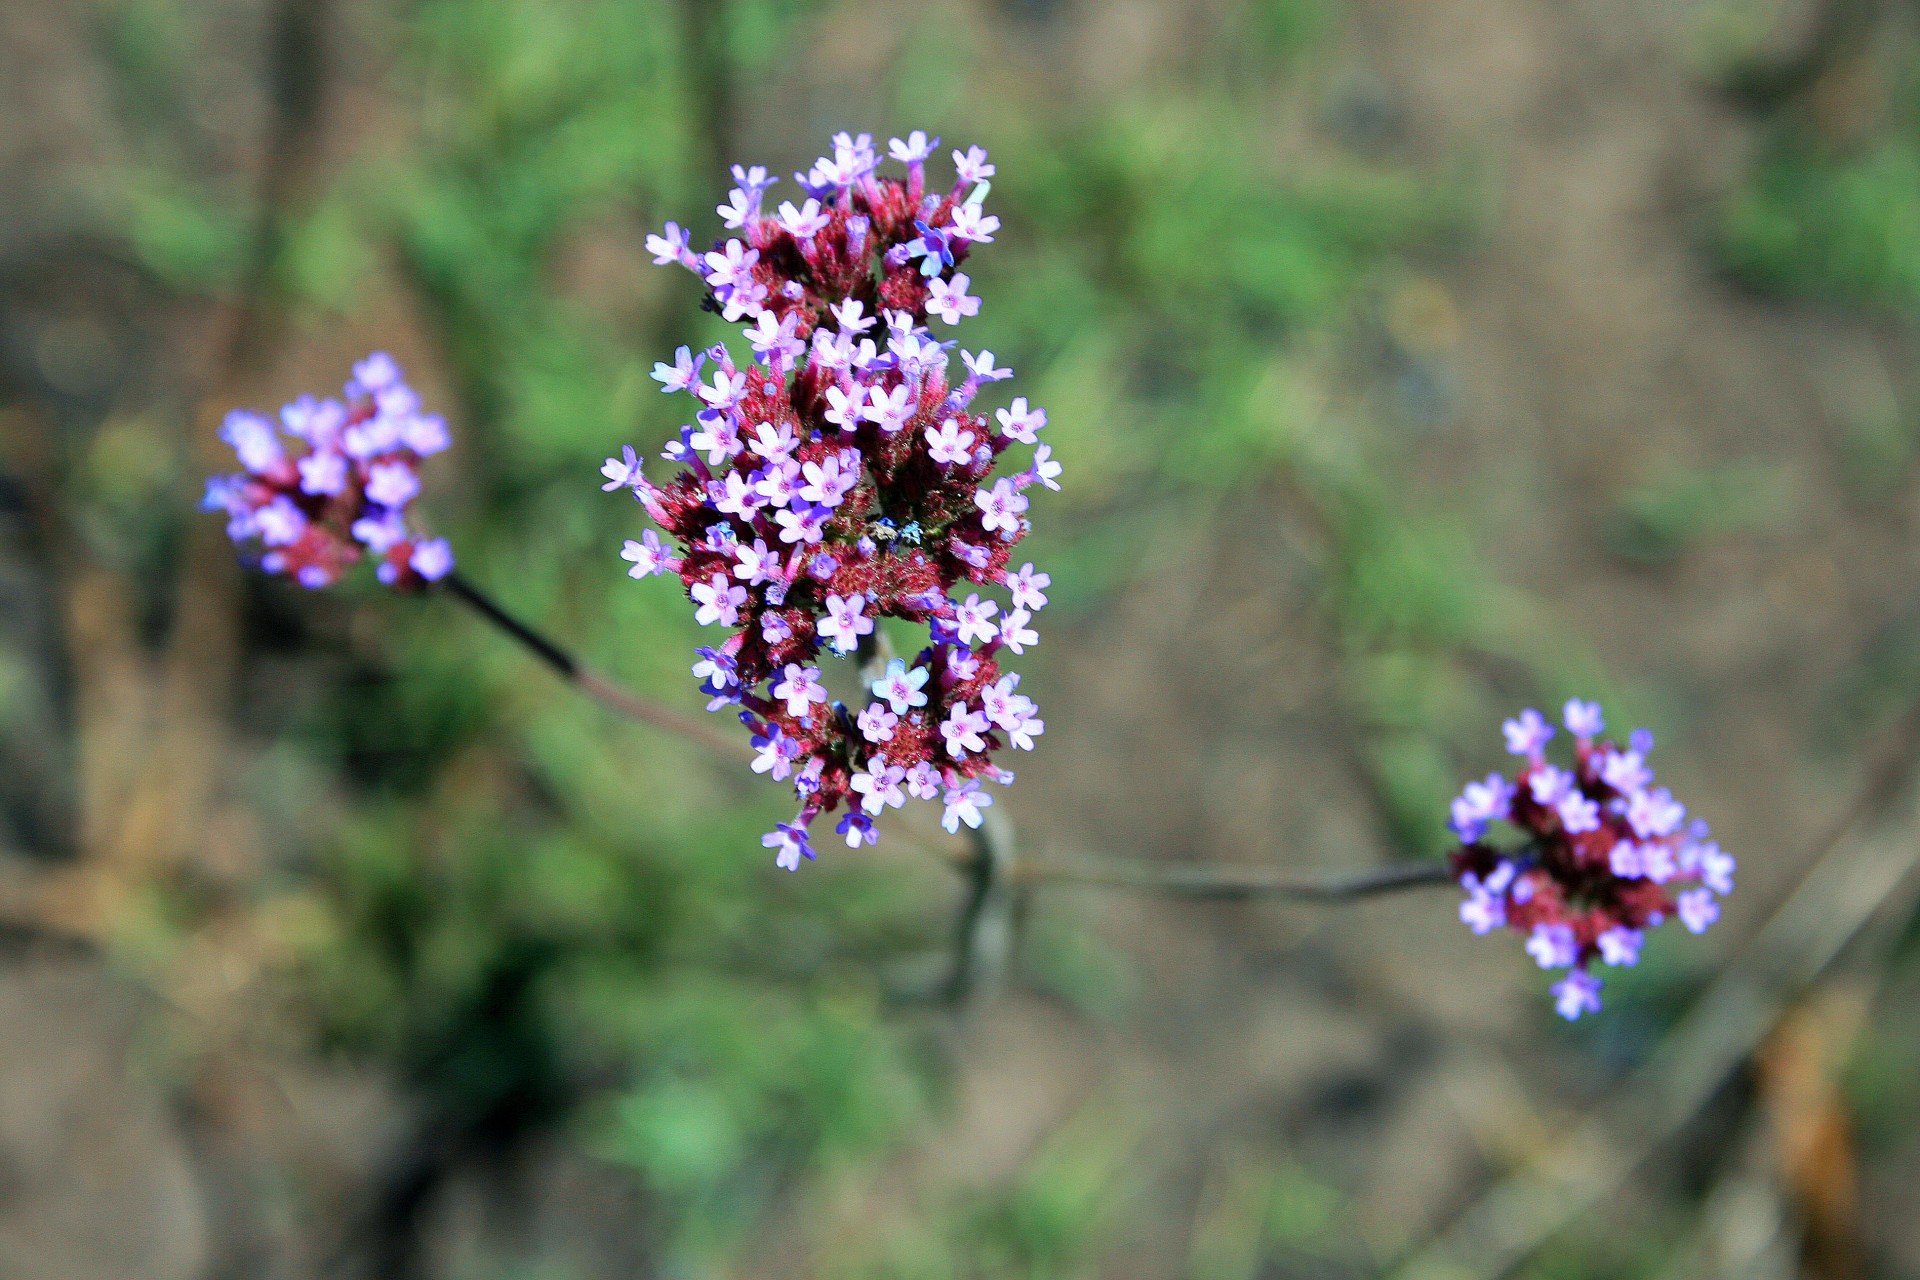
(1602,854)
(331,481)
(840,475)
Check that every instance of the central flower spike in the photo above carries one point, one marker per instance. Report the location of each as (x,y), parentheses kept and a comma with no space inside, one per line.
(842,476)
(1604,856)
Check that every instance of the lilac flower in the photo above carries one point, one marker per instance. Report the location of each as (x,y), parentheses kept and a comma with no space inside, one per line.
(715,669)
(1655,813)
(950,300)
(1021,423)
(1620,946)
(1000,507)
(845,622)
(1657,857)
(982,367)
(380,531)
(683,374)
(845,409)
(857,827)
(828,480)
(847,314)
(1045,469)
(776,753)
(732,265)
(963,729)
(253,439)
(323,474)
(791,841)
(778,482)
(719,601)
(802,524)
(392,484)
(948,445)
(1583,719)
(902,688)
(1716,868)
(756,564)
(800,688)
(774,340)
(1482,911)
(1029,588)
(890,409)
(739,209)
(669,248)
(971,225)
(280,523)
(1479,804)
(1578,814)
(972,620)
(964,803)
(741,301)
(1625,771)
(934,250)
(647,555)
(914,150)
(725,391)
(923,781)
(432,559)
(876,723)
(1577,993)
(805,222)
(623,472)
(1626,861)
(1023,725)
(1697,910)
(1548,784)
(972,166)
(1528,734)
(1015,633)
(1553,946)
(879,787)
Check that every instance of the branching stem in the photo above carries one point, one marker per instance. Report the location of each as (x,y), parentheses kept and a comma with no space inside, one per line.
(994,869)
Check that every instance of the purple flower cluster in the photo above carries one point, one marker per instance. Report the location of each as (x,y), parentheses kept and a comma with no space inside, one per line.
(840,477)
(333,480)
(1604,856)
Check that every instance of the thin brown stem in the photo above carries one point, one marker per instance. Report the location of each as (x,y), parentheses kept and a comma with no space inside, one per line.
(1205,882)
(996,871)
(608,693)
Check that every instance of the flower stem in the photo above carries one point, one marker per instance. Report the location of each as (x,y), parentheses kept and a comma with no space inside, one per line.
(989,860)
(615,698)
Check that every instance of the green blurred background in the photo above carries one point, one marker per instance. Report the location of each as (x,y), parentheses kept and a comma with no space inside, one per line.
(1410,361)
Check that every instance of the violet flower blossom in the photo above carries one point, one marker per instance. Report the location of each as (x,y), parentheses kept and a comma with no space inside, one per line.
(840,476)
(332,481)
(1604,856)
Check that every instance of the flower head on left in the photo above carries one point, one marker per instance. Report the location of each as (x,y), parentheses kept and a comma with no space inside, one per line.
(332,480)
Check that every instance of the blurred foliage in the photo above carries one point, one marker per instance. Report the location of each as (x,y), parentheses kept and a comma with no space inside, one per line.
(1834,212)
(1658,520)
